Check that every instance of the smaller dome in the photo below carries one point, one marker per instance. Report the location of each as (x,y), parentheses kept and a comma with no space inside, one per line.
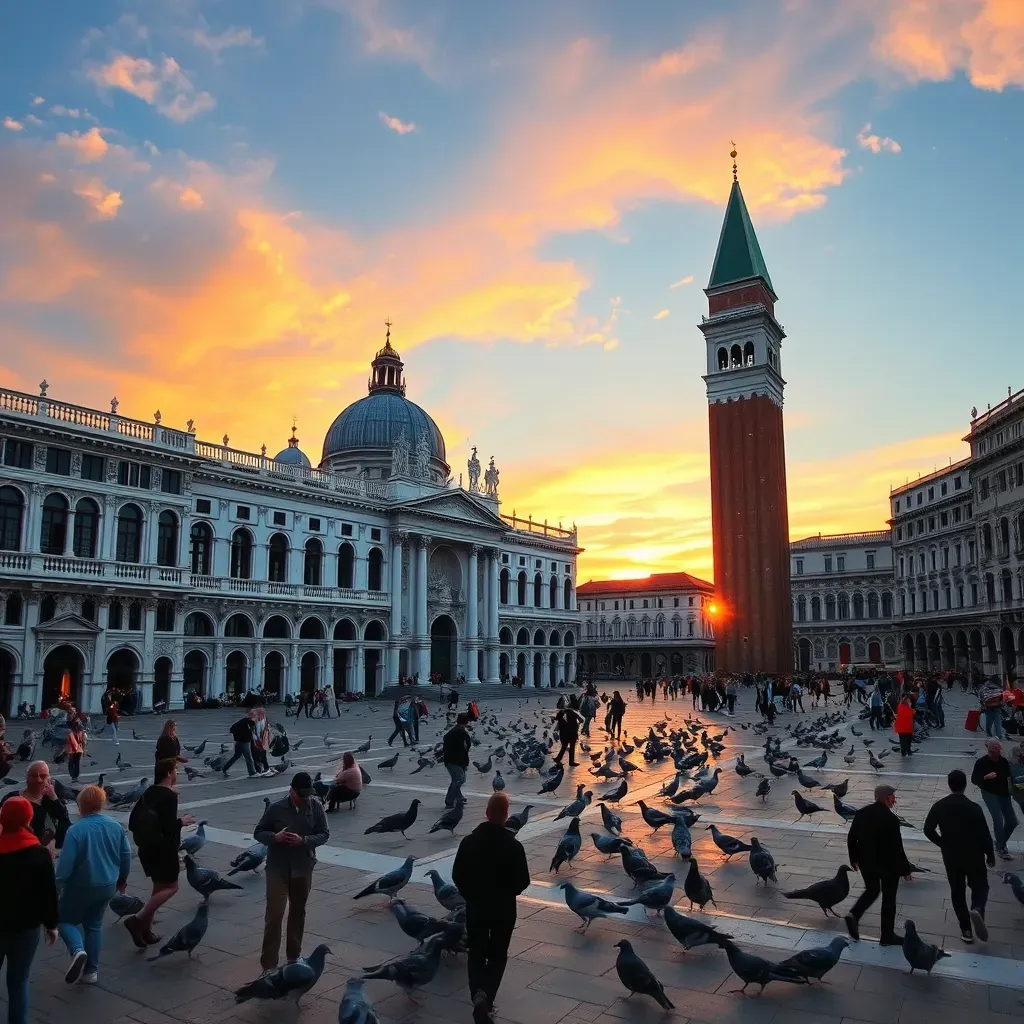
(293,455)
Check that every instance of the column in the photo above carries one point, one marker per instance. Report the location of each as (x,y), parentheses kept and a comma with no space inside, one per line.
(359,683)
(395,631)
(296,565)
(472,618)
(33,519)
(108,526)
(527,668)
(215,679)
(148,647)
(293,671)
(559,669)
(69,533)
(29,690)
(256,669)
(558,598)
(545,592)
(220,564)
(176,695)
(99,657)
(150,535)
(422,650)
(491,666)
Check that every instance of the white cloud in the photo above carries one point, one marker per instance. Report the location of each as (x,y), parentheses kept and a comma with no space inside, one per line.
(682,281)
(876,143)
(661,314)
(32,119)
(36,100)
(164,85)
(11,125)
(225,40)
(396,124)
(104,202)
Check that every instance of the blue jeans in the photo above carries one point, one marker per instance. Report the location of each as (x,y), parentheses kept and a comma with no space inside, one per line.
(458,777)
(242,750)
(994,722)
(83,906)
(18,949)
(1004,820)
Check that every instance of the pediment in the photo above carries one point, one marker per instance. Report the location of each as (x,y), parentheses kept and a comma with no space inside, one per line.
(67,624)
(455,505)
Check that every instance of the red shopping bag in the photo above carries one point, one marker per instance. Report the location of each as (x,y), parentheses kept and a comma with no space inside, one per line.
(973,718)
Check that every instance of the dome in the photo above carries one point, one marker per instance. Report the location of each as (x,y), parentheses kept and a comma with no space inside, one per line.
(293,455)
(376,422)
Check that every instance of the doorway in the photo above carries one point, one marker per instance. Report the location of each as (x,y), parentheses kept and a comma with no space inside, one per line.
(443,650)
(62,676)
(273,674)
(341,660)
(6,682)
(122,669)
(162,681)
(235,672)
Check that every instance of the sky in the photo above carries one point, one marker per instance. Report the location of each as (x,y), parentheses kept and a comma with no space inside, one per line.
(209,208)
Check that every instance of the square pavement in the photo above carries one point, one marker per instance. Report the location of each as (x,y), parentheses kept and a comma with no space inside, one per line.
(554,975)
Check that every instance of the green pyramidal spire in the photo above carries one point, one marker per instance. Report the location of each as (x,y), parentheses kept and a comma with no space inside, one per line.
(739,256)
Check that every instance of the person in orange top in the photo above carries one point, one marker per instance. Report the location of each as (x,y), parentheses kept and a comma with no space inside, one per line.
(905,725)
(74,747)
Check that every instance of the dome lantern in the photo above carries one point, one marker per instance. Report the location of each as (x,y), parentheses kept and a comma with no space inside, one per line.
(386,369)
(293,455)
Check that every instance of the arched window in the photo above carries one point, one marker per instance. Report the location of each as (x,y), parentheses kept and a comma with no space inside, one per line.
(748,354)
(1004,534)
(1006,584)
(735,357)
(844,606)
(503,586)
(801,609)
(567,595)
(135,616)
(87,521)
(830,606)
(115,614)
(47,608)
(12,611)
(167,538)
(986,539)
(553,592)
(990,588)
(238,625)
(887,605)
(815,608)
(313,563)
(538,590)
(660,626)
(312,629)
(858,605)
(12,507)
(346,566)
(129,534)
(872,605)
(723,359)
(277,559)
(375,570)
(201,548)
(198,624)
(521,589)
(241,555)
(277,627)
(53,532)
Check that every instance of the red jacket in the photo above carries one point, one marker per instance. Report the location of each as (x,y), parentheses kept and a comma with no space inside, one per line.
(904,718)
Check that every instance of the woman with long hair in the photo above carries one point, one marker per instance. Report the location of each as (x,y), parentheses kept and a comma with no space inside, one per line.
(260,740)
(168,745)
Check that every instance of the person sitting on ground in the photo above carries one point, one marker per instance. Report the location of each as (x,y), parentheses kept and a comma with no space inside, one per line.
(348,783)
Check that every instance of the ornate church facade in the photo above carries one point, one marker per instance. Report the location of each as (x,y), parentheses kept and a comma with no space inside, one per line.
(134,554)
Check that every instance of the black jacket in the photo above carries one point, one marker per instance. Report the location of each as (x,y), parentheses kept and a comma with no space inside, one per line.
(567,721)
(30,892)
(1000,785)
(456,747)
(490,870)
(243,730)
(167,747)
(48,814)
(875,844)
(310,822)
(160,860)
(957,825)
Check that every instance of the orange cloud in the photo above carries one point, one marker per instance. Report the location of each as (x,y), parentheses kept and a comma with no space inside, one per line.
(164,85)
(396,124)
(104,202)
(876,143)
(11,125)
(87,147)
(661,314)
(226,40)
(190,199)
(682,281)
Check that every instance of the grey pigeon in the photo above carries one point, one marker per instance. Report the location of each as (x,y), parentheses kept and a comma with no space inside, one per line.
(618,793)
(611,821)
(762,863)
(588,906)
(194,843)
(193,774)
(497,783)
(568,846)
(751,969)
(637,866)
(249,860)
(826,893)
(123,904)
(290,979)
(817,961)
(921,955)
(187,938)
(729,845)
(354,1008)
(655,818)
(803,805)
(516,821)
(205,881)
(396,822)
(682,841)
(609,845)
(449,821)
(697,887)
(657,896)
(445,893)
(388,762)
(391,883)
(553,783)
(577,807)
(636,976)
(845,811)
(764,787)
(1015,883)
(689,932)
(414,923)
(364,747)
(413,971)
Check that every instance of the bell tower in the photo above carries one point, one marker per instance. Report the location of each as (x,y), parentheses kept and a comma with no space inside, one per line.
(749,507)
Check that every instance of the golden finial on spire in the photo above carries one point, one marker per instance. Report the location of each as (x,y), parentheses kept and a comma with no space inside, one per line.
(735,176)
(387,337)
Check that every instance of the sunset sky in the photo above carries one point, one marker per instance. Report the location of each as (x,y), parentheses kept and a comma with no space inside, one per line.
(210,208)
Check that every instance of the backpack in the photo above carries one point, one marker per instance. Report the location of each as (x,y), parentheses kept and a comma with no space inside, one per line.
(279,746)
(145,825)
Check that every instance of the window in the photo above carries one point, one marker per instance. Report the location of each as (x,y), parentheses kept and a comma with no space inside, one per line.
(949,598)
(12,611)
(983,488)
(935,600)
(920,497)
(913,602)
(170,481)
(12,507)
(689,630)
(203,506)
(375,572)
(675,602)
(588,606)
(135,616)
(945,558)
(631,602)
(375,535)
(899,533)
(93,467)
(957,483)
(645,602)
(945,487)
(346,566)
(931,523)
(312,566)
(243,512)
(115,615)
(932,553)
(970,510)
(89,610)
(902,572)
(944,519)
(314,525)
(911,565)
(346,530)
(931,493)
(897,504)
(660,605)
(920,527)
(280,519)
(58,460)
(53,532)
(132,474)
(554,566)
(241,555)
(690,603)
(840,563)
(956,553)
(828,563)
(799,567)
(1001,480)
(815,608)
(129,534)
(87,518)
(165,616)
(200,548)
(602,606)
(871,559)
(17,454)
(974,593)
(167,539)
(616,608)
(277,559)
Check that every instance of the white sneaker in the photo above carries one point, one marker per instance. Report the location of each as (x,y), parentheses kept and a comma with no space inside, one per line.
(75,968)
(90,978)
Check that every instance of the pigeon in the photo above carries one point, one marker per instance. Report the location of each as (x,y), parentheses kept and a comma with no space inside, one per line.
(198,750)
(921,955)
(688,931)
(611,821)
(497,783)
(817,961)
(826,893)
(609,844)
(445,893)
(762,863)
(657,896)
(364,747)
(655,818)
(1015,883)
(636,976)
(194,843)
(249,860)
(741,767)
(450,819)
(803,805)
(686,816)
(682,841)
(390,883)
(123,905)
(289,979)
(65,794)
(577,807)
(413,971)
(637,866)
(697,887)
(205,881)
(618,793)
(187,938)
(845,811)
(839,789)
(193,774)
(587,905)
(553,783)
(751,969)
(354,1008)
(122,766)
(516,821)
(484,768)
(389,762)
(568,846)
(396,822)
(729,845)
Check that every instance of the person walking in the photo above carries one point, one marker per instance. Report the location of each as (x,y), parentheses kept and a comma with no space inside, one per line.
(875,720)
(74,746)
(992,697)
(876,850)
(993,777)
(616,710)
(94,863)
(113,716)
(348,783)
(490,871)
(588,709)
(50,819)
(957,826)
(242,732)
(455,754)
(731,692)
(30,901)
(291,829)
(905,726)
(260,741)
(167,744)
(396,717)
(567,724)
(156,829)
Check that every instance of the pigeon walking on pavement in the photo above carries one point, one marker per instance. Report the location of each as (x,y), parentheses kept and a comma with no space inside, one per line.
(396,822)
(188,937)
(921,955)
(805,806)
(637,977)
(568,846)
(762,863)
(291,979)
(413,971)
(818,961)
(729,845)
(249,860)
(751,969)
(689,932)
(205,881)
(588,906)
(445,893)
(390,883)
(827,893)
(449,821)
(354,1007)
(697,887)
(194,843)
(657,896)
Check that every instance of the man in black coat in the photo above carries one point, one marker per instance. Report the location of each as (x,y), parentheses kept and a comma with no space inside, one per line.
(567,723)
(876,851)
(958,827)
(455,753)
(490,871)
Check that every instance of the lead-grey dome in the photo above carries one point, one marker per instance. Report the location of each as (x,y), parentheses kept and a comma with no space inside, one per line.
(293,455)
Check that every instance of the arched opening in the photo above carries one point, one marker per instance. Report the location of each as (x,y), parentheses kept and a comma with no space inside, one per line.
(194,673)
(521,589)
(886,604)
(538,638)
(986,539)
(748,354)
(843,606)
(1004,536)
(235,673)
(523,637)
(12,509)
(53,531)
(804,652)
(815,608)
(162,681)
(908,653)
(538,590)
(312,629)
(313,563)
(934,652)
(801,609)
(503,579)
(735,357)
(167,538)
(977,655)
(238,625)
(946,650)
(309,672)
(991,653)
(375,570)
(723,358)
(122,671)
(675,663)
(277,627)
(505,636)
(645,665)
(567,595)
(344,630)
(129,534)
(200,540)
(198,624)
(443,649)
(872,605)
(346,566)
(503,671)
(374,633)
(273,674)
(62,676)
(241,555)
(1006,586)
(7,669)
(845,656)
(874,652)
(87,521)
(858,605)
(277,559)
(553,592)
(555,638)
(538,669)
(1008,653)
(553,670)
(830,606)
(521,666)
(961,652)
(618,664)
